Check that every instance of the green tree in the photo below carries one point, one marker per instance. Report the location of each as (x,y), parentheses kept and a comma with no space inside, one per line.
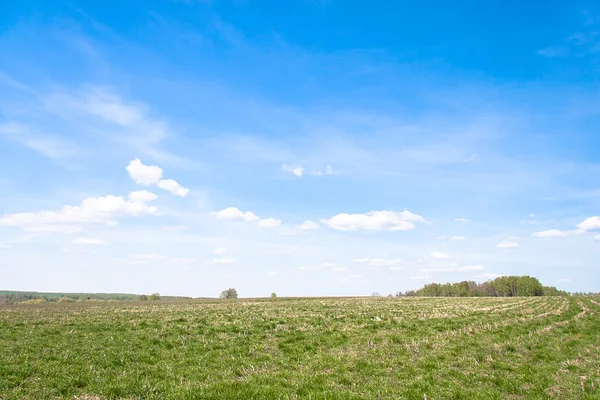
(155,296)
(230,293)
(273,294)
(142,297)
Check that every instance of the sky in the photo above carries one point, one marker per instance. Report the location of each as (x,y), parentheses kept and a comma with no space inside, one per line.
(306,148)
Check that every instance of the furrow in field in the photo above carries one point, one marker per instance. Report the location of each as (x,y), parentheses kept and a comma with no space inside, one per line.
(477,328)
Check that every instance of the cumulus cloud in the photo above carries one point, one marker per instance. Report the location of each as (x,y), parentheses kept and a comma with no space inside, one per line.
(454,238)
(144,174)
(590,224)
(552,233)
(440,256)
(374,221)
(269,223)
(89,241)
(420,277)
(95,210)
(378,262)
(173,187)
(466,268)
(294,169)
(508,244)
(235,214)
(145,258)
(308,226)
(222,260)
(142,196)
(151,175)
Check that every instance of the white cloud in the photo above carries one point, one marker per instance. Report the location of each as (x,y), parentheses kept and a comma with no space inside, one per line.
(183,260)
(142,196)
(374,221)
(52,229)
(94,210)
(440,256)
(564,280)
(146,258)
(329,170)
(461,220)
(90,241)
(466,268)
(339,269)
(378,262)
(487,275)
(273,273)
(420,277)
(269,223)
(597,238)
(317,267)
(395,268)
(307,226)
(552,52)
(308,268)
(316,172)
(222,260)
(454,238)
(4,246)
(175,228)
(294,169)
(173,187)
(219,250)
(328,264)
(552,233)
(508,244)
(590,224)
(51,146)
(144,174)
(151,175)
(235,214)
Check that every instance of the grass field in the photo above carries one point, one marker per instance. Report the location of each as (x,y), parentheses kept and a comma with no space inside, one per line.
(331,348)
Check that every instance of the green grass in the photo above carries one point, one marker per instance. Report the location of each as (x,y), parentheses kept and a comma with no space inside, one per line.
(330,348)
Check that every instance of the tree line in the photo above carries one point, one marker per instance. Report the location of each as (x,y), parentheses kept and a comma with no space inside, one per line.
(504,286)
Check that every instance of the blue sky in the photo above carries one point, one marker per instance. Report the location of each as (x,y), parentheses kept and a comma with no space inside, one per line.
(302,147)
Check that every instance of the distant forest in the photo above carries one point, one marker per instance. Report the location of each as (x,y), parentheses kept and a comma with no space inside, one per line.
(10,297)
(504,286)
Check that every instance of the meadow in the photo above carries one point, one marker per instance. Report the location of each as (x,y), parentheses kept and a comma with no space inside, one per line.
(325,348)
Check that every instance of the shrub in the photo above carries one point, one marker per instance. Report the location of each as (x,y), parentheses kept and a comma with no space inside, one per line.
(273,294)
(142,297)
(66,300)
(155,296)
(230,293)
